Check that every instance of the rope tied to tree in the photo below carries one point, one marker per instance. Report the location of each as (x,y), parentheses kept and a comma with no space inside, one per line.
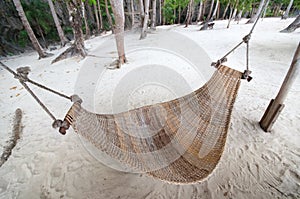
(246,40)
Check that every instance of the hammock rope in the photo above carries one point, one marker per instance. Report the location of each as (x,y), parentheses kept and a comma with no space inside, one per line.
(246,39)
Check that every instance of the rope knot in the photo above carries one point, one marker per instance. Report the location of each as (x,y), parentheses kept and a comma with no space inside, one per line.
(246,75)
(247,38)
(22,73)
(62,125)
(219,62)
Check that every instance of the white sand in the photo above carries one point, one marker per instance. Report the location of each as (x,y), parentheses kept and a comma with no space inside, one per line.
(255,164)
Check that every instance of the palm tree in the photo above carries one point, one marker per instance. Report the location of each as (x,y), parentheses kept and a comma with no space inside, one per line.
(97,17)
(287,11)
(145,21)
(33,39)
(100,14)
(77,48)
(215,10)
(260,7)
(211,9)
(153,21)
(63,39)
(87,28)
(118,10)
(108,15)
(189,13)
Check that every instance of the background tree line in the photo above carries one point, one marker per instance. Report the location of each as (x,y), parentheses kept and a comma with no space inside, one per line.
(50,19)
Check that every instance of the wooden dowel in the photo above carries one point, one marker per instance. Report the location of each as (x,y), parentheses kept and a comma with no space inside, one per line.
(276,105)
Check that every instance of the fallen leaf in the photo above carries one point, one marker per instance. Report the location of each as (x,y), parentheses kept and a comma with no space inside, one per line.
(17,94)
(13,88)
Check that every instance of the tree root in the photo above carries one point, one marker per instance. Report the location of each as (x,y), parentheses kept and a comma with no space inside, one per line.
(11,143)
(70,52)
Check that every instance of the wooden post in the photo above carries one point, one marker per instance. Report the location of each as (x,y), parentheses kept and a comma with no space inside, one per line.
(276,105)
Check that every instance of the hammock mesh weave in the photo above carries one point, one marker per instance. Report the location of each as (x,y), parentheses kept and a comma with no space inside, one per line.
(179,141)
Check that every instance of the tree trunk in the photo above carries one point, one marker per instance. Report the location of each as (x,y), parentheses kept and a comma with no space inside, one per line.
(253,18)
(218,12)
(118,10)
(287,11)
(203,10)
(100,14)
(87,28)
(145,22)
(215,11)
(160,13)
(265,11)
(42,35)
(97,18)
(189,13)
(142,12)
(63,39)
(153,21)
(293,26)
(179,14)
(132,13)
(230,17)
(225,11)
(239,16)
(211,9)
(28,29)
(163,13)
(108,16)
(76,21)
(200,11)
(77,48)
(234,13)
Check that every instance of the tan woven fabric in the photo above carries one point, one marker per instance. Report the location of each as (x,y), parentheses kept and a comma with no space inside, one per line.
(179,141)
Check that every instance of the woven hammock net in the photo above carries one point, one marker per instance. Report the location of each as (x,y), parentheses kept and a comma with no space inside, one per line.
(179,141)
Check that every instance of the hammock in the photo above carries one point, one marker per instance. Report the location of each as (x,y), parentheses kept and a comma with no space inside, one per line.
(179,141)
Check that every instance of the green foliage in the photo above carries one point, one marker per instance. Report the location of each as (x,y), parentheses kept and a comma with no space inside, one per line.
(39,16)
(22,38)
(173,5)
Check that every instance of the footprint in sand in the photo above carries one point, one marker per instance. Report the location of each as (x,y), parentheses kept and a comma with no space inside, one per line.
(295,176)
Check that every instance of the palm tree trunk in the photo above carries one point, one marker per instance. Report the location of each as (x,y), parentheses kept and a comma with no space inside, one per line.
(108,15)
(145,22)
(118,10)
(218,11)
(287,11)
(260,7)
(211,9)
(200,11)
(97,18)
(239,16)
(100,15)
(293,26)
(153,21)
(179,14)
(76,21)
(142,12)
(160,12)
(34,41)
(63,39)
(132,13)
(215,11)
(87,28)
(225,11)
(189,13)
